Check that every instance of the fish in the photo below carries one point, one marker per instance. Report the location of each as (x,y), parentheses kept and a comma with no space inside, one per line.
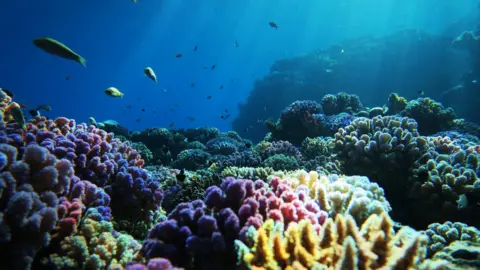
(462,201)
(68,77)
(209,97)
(178,55)
(164,90)
(59,49)
(176,105)
(171,109)
(421,93)
(195,48)
(134,1)
(23,106)
(113,92)
(92,121)
(205,67)
(138,120)
(154,112)
(128,107)
(171,124)
(34,113)
(221,86)
(8,92)
(213,67)
(191,118)
(192,84)
(44,107)
(273,25)
(248,145)
(236,43)
(17,115)
(143,109)
(150,74)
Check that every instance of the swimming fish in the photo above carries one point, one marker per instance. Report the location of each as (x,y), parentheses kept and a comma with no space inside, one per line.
(209,97)
(213,67)
(138,120)
(143,109)
(17,114)
(134,1)
(178,55)
(54,47)
(68,77)
(221,86)
(195,48)
(421,93)
(273,25)
(236,43)
(44,107)
(150,74)
(34,113)
(113,92)
(462,201)
(92,121)
(172,124)
(191,118)
(192,84)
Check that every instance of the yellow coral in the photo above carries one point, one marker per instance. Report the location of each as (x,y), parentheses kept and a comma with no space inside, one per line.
(340,245)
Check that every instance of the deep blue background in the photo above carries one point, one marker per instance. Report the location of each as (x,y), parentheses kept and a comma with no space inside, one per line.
(119,39)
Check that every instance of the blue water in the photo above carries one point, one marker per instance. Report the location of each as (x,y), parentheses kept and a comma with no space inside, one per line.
(119,39)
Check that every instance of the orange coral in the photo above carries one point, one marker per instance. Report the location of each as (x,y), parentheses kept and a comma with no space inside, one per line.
(340,245)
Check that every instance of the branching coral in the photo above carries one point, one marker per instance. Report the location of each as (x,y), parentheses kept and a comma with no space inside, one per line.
(339,245)
(340,103)
(94,246)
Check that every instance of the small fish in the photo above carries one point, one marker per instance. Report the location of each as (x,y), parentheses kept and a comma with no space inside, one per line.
(143,110)
(55,47)
(205,67)
(421,93)
(226,110)
(191,118)
(17,115)
(150,74)
(221,86)
(154,112)
(138,120)
(462,201)
(128,107)
(265,108)
(185,140)
(113,92)
(164,90)
(273,25)
(8,92)
(34,113)
(232,81)
(44,107)
(209,97)
(171,109)
(192,85)
(213,67)
(92,121)
(236,43)
(172,124)
(328,70)
(195,48)
(176,105)
(23,106)
(134,1)
(178,55)
(248,145)
(474,81)
(246,129)
(68,77)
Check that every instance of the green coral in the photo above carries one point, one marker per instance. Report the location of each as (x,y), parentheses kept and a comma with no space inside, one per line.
(430,115)
(247,172)
(281,162)
(142,149)
(442,235)
(94,246)
(313,147)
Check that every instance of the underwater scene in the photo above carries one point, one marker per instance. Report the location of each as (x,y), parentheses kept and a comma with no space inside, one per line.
(211,135)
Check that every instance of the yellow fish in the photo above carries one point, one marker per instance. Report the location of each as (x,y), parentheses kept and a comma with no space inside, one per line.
(54,47)
(150,74)
(113,92)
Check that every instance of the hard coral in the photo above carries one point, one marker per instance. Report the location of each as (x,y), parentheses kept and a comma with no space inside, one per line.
(339,245)
(431,116)
(341,103)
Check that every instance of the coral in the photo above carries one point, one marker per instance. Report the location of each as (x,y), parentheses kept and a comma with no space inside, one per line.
(196,145)
(222,146)
(191,159)
(248,172)
(442,235)
(94,246)
(431,116)
(267,149)
(245,158)
(144,152)
(281,162)
(460,255)
(445,184)
(202,134)
(153,264)
(396,104)
(203,232)
(340,245)
(341,102)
